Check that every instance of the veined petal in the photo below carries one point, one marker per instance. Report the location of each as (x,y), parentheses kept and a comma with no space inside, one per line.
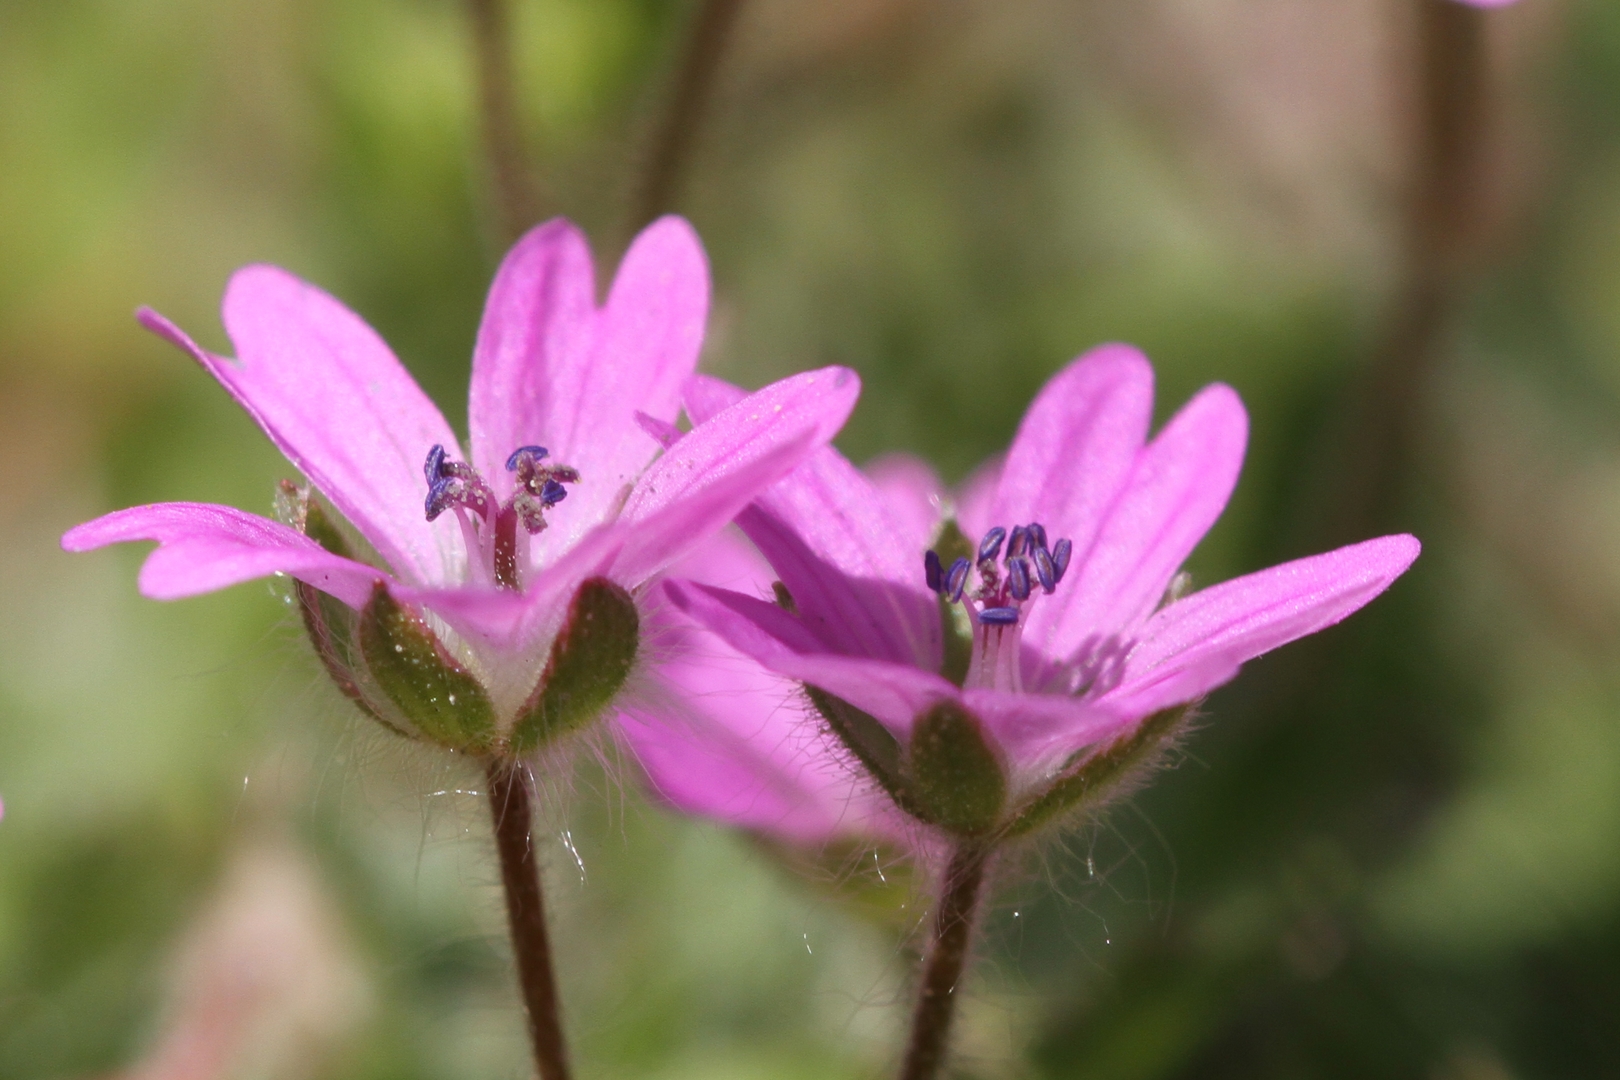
(892,693)
(333,398)
(724,463)
(1197,643)
(1077,444)
(1178,487)
(203,547)
(534,343)
(915,496)
(556,371)
(1037,730)
(829,535)
(722,737)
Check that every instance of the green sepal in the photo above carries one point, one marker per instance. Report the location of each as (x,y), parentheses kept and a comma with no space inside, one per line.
(1100,776)
(956,775)
(437,695)
(872,745)
(589,663)
(330,624)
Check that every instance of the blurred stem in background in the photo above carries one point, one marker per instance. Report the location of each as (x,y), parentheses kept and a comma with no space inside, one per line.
(1440,233)
(675,133)
(516,191)
(526,913)
(959,896)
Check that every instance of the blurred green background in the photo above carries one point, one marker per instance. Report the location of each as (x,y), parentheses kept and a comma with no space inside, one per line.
(1391,851)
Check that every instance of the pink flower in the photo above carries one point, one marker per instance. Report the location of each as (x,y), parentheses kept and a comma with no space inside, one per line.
(992,661)
(1487,3)
(731,741)
(459,573)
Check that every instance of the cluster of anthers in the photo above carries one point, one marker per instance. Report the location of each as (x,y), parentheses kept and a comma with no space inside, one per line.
(489,529)
(1007,582)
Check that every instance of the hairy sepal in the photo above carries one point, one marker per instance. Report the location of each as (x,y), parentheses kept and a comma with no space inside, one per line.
(956,775)
(441,699)
(331,625)
(1101,776)
(590,661)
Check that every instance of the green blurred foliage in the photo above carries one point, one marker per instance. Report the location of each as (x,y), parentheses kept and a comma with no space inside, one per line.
(1391,851)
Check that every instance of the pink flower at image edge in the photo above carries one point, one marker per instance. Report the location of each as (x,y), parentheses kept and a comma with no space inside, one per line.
(563,482)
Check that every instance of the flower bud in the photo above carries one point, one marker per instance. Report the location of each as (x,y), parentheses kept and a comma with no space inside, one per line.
(589,663)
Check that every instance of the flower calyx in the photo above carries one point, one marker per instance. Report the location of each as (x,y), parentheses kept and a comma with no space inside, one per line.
(950,774)
(394,666)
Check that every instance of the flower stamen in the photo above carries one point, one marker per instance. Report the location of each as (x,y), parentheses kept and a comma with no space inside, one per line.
(1007,580)
(495,545)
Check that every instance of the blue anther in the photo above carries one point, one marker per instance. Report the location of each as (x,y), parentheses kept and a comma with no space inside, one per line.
(512,462)
(435,503)
(1060,558)
(933,572)
(999,616)
(433,467)
(1017,542)
(1037,535)
(552,493)
(990,546)
(1045,570)
(956,580)
(1018,577)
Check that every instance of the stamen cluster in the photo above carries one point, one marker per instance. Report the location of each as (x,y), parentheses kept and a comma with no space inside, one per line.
(490,530)
(1003,589)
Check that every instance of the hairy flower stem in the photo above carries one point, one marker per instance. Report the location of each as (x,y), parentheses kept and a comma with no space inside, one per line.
(676,132)
(526,914)
(517,197)
(947,956)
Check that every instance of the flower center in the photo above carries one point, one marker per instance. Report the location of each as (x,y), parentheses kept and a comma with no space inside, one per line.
(497,548)
(1007,583)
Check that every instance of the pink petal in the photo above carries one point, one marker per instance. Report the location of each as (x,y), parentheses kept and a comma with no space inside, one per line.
(204,547)
(341,407)
(726,739)
(915,498)
(332,397)
(535,338)
(551,369)
(1039,730)
(1077,444)
(701,482)
(893,693)
(1178,487)
(1197,643)
(830,537)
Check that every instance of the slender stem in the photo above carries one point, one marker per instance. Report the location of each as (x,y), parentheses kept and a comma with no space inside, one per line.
(1441,230)
(673,138)
(517,196)
(947,956)
(526,914)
